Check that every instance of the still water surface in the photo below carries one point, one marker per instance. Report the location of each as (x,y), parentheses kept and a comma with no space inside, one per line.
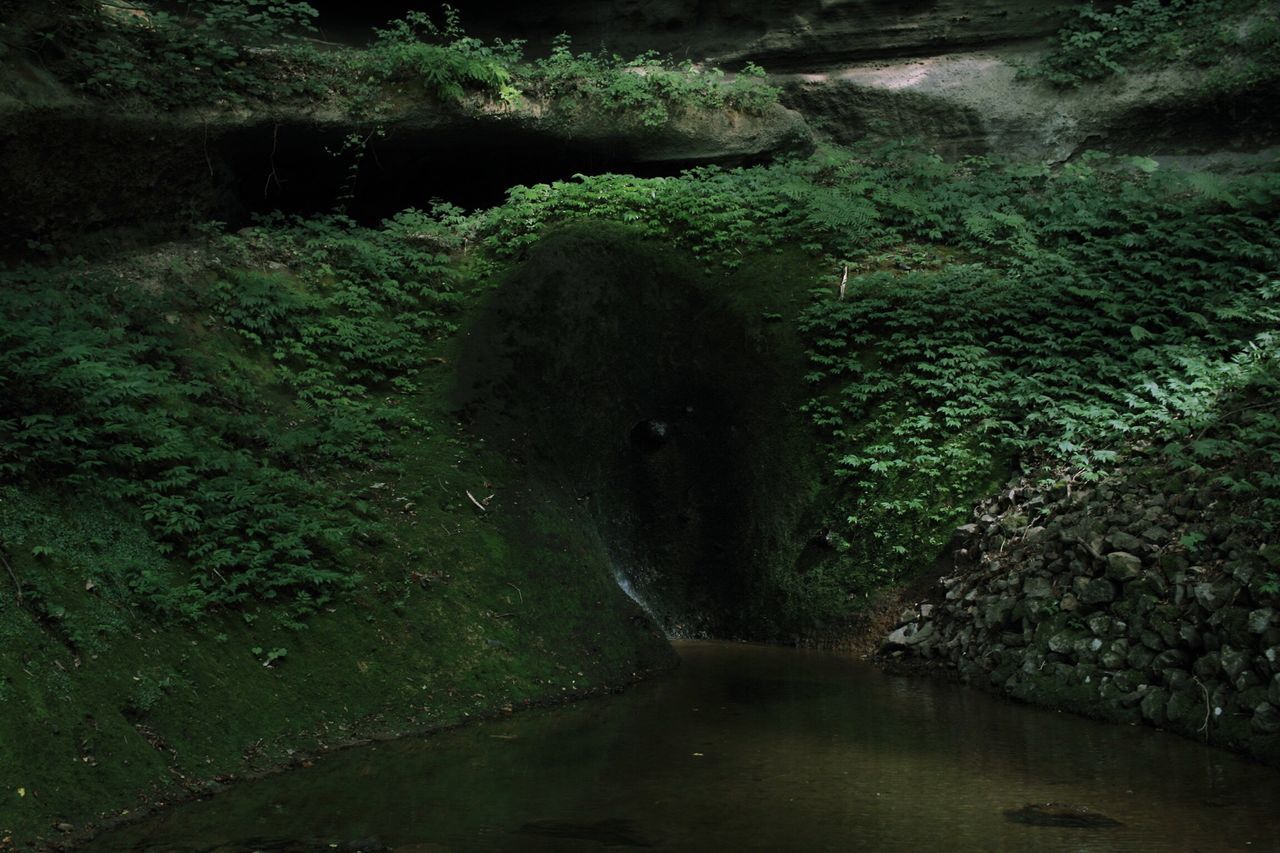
(750,748)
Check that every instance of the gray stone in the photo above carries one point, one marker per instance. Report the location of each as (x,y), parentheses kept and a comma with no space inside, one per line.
(1233,662)
(1247,679)
(1086,649)
(1037,587)
(1243,573)
(1207,665)
(1177,679)
(1061,642)
(1273,692)
(903,637)
(1069,602)
(1186,706)
(1121,541)
(1213,596)
(1155,535)
(1126,681)
(1266,718)
(1097,591)
(1103,625)
(1140,657)
(1034,535)
(1251,696)
(1123,566)
(995,613)
(1170,659)
(1112,659)
(1260,620)
(1153,705)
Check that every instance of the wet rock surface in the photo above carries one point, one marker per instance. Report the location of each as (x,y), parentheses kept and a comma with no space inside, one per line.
(1118,602)
(613,832)
(1059,814)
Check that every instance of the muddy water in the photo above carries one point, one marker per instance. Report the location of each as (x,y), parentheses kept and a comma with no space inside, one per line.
(751,748)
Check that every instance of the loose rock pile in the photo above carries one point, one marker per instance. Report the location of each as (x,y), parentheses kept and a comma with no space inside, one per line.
(1117,602)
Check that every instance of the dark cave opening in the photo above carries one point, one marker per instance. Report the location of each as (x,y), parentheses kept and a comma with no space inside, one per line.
(297,168)
(616,368)
(130,180)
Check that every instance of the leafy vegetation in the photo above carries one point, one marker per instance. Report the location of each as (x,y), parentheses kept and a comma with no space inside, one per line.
(196,53)
(1239,38)
(257,51)
(649,86)
(988,314)
(234,408)
(444,59)
(977,316)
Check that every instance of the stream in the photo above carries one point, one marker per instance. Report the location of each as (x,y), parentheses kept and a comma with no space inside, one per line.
(752,748)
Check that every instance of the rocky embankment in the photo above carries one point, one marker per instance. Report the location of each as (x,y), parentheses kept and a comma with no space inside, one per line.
(1117,602)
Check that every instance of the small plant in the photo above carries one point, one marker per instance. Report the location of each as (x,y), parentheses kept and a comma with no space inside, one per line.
(269,658)
(649,87)
(1192,541)
(444,59)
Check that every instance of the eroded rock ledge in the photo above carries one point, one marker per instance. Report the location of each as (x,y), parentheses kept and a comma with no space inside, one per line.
(101,169)
(1119,602)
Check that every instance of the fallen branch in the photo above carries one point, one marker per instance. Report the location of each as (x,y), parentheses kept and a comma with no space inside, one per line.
(517,589)
(479,505)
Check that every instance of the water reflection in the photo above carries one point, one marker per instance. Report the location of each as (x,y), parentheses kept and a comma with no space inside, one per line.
(750,748)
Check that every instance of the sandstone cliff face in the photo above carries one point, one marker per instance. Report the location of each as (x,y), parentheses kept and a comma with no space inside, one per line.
(1096,603)
(782,34)
(976,103)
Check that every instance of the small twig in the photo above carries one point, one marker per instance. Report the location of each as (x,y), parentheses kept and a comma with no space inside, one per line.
(16,585)
(844,281)
(517,589)
(479,505)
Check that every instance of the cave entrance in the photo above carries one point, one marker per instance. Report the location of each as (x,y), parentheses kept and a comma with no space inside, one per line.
(625,374)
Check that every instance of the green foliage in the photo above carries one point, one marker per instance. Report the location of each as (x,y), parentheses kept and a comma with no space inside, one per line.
(194,53)
(649,87)
(444,59)
(238,51)
(235,409)
(976,316)
(1230,450)
(1094,44)
(991,313)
